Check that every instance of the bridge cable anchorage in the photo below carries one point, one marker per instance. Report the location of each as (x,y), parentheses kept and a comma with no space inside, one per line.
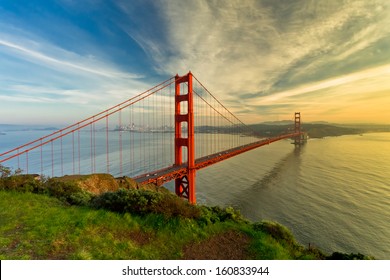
(174,129)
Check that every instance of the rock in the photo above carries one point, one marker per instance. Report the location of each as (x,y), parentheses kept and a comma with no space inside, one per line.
(126,183)
(101,183)
(94,183)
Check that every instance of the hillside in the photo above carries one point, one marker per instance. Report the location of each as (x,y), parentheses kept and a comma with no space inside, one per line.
(324,130)
(318,130)
(59,220)
(40,227)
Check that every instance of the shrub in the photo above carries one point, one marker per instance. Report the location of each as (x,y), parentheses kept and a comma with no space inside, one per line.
(22,183)
(127,201)
(217,214)
(172,206)
(68,192)
(4,171)
(277,231)
(145,202)
(207,216)
(352,256)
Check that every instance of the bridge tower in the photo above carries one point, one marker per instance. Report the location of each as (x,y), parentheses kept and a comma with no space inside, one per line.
(184,113)
(297,129)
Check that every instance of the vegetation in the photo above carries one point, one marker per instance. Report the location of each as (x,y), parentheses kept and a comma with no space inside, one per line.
(318,130)
(57,219)
(324,130)
(313,130)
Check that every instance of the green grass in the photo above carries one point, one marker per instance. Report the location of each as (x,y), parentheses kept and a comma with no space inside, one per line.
(52,219)
(39,227)
(36,226)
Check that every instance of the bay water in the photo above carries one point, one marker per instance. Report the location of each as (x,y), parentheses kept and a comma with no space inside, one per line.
(332,193)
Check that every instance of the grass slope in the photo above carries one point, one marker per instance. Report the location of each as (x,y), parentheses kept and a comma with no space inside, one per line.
(100,217)
(35,226)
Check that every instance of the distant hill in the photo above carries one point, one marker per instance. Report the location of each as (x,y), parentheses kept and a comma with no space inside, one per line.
(284,122)
(267,129)
(324,130)
(17,127)
(318,129)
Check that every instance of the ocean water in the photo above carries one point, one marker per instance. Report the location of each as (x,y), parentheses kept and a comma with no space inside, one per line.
(333,193)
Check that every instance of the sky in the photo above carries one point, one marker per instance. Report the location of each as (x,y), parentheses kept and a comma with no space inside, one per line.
(64,60)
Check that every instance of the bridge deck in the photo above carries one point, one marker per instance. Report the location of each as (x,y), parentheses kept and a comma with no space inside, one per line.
(170,173)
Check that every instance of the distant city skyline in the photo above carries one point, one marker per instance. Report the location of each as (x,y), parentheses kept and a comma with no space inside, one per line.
(63,60)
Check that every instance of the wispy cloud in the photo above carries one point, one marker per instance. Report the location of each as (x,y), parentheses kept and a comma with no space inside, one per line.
(371,76)
(45,73)
(273,51)
(255,45)
(60,64)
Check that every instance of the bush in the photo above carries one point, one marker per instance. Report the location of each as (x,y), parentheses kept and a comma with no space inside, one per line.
(145,202)
(217,214)
(65,191)
(172,206)
(4,171)
(277,231)
(68,192)
(343,256)
(22,183)
(126,201)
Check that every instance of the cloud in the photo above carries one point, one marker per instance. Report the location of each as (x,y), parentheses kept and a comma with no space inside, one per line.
(61,64)
(260,58)
(40,94)
(362,96)
(65,59)
(36,68)
(272,50)
(382,73)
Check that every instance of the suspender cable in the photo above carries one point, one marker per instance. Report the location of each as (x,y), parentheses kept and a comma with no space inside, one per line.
(120,144)
(107,147)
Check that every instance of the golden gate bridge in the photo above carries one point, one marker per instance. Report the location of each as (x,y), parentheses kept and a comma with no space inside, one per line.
(165,133)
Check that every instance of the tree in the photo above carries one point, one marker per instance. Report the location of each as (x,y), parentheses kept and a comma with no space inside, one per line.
(18,171)
(4,171)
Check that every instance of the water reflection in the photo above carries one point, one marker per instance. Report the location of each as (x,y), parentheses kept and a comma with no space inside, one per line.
(255,200)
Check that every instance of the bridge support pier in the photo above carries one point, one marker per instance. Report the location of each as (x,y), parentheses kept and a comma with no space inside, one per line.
(184,125)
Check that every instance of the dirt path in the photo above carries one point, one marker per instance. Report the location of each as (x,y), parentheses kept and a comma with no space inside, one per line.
(230,245)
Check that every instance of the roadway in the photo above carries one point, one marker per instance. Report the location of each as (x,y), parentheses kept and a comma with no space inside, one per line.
(161,176)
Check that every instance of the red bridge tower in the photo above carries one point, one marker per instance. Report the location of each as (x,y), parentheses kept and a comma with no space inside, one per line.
(185,185)
(299,138)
